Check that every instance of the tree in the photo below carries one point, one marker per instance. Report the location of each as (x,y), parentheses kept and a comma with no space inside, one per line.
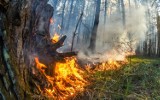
(95,27)
(158,28)
(123,13)
(24,35)
(63,11)
(105,10)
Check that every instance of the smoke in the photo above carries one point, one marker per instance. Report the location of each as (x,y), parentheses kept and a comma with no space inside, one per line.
(115,40)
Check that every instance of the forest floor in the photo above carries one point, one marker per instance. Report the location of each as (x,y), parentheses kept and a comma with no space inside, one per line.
(137,80)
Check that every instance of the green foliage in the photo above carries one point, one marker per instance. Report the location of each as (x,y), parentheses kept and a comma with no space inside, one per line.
(139,80)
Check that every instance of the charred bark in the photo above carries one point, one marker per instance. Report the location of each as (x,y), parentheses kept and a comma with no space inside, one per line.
(24,35)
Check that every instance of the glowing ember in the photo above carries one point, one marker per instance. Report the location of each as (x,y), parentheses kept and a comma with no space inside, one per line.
(67,78)
(55,38)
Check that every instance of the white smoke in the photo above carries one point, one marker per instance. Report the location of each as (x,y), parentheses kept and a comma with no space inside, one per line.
(114,39)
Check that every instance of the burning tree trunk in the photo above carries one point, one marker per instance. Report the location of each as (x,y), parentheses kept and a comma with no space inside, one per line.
(24,35)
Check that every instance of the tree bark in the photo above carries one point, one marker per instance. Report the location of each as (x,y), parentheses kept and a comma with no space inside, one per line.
(123,13)
(24,35)
(95,27)
(158,33)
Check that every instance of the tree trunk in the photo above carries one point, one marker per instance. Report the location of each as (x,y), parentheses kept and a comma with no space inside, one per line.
(63,15)
(158,33)
(105,10)
(123,13)
(95,27)
(24,35)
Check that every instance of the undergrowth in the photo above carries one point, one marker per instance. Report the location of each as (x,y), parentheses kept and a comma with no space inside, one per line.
(137,80)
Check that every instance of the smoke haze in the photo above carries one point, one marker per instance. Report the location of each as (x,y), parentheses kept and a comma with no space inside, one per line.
(114,39)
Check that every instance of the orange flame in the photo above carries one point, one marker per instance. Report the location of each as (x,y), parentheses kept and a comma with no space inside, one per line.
(55,38)
(39,65)
(109,65)
(67,78)
(114,61)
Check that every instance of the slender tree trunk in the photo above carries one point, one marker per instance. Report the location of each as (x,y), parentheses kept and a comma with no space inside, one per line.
(158,34)
(105,10)
(80,26)
(70,13)
(74,33)
(119,6)
(63,12)
(123,13)
(95,27)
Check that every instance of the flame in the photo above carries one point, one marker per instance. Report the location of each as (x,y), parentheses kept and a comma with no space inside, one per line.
(51,21)
(110,65)
(39,65)
(115,60)
(55,38)
(69,77)
(111,60)
(67,80)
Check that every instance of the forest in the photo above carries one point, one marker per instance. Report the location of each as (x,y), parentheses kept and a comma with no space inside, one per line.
(79,49)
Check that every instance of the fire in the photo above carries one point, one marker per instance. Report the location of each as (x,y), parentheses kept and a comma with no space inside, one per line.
(40,66)
(51,21)
(110,61)
(55,38)
(67,80)
(108,65)
(115,61)
(69,77)
(112,65)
